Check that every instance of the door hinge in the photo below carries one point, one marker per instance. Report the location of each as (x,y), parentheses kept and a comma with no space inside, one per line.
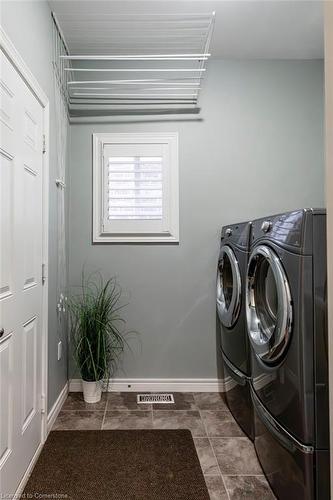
(44,144)
(43,273)
(42,404)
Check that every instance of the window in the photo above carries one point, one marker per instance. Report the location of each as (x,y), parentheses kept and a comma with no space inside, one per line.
(135,193)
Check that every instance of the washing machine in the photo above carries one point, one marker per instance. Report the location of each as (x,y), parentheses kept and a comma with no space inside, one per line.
(231,274)
(287,329)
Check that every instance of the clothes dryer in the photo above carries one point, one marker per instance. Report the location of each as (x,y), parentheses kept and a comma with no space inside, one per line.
(287,330)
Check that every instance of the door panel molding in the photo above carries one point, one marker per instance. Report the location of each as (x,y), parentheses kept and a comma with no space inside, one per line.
(29,354)
(6,218)
(13,55)
(7,409)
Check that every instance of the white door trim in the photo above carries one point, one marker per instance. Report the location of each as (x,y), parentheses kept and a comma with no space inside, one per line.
(10,51)
(329,201)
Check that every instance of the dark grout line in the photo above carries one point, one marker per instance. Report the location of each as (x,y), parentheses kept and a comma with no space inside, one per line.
(83,409)
(243,475)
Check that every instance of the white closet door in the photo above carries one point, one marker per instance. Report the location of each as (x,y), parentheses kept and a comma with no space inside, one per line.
(21,128)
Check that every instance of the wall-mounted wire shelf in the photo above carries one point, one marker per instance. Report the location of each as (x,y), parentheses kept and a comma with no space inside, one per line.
(137,62)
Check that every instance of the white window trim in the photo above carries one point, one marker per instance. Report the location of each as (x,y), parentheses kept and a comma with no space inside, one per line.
(171,234)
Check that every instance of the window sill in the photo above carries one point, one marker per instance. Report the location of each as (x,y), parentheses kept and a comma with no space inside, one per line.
(136,239)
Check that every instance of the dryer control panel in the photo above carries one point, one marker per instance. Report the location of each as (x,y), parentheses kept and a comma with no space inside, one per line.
(286,229)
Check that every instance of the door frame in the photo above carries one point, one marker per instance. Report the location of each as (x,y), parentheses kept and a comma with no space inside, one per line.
(17,61)
(328,15)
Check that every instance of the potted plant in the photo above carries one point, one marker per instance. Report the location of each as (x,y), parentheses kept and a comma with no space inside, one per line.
(97,333)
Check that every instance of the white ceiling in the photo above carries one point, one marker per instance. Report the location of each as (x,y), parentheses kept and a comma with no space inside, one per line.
(263,29)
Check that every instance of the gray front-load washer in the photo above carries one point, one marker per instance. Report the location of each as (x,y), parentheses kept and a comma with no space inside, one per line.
(230,300)
(287,328)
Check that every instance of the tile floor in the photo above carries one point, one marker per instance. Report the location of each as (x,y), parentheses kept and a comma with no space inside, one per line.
(227,456)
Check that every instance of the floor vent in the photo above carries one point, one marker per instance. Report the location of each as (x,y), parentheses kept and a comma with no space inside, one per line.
(155,398)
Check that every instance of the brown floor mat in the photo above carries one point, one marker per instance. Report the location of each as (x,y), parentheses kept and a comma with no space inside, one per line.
(118,464)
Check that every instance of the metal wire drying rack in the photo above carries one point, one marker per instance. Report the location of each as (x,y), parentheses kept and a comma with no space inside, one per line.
(136,62)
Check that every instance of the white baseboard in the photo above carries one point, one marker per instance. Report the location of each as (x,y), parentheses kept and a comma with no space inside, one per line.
(162,385)
(54,411)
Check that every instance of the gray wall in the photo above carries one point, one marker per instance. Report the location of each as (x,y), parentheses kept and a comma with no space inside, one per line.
(28,25)
(257,150)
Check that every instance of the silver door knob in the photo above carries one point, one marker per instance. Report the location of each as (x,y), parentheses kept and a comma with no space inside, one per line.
(2,331)
(266,226)
(228,232)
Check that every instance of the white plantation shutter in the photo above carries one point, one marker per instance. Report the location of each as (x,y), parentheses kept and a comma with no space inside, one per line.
(135,187)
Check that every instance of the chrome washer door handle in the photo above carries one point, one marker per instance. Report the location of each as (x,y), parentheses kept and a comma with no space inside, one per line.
(228,313)
(269,346)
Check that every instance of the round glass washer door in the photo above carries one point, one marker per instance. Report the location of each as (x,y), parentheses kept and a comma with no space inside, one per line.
(228,287)
(268,305)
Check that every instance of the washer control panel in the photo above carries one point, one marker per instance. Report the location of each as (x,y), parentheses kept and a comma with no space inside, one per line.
(236,234)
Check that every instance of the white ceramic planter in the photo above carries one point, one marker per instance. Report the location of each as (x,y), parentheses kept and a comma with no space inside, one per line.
(92,391)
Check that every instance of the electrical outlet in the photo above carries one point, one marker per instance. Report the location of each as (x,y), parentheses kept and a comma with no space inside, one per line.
(59,350)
